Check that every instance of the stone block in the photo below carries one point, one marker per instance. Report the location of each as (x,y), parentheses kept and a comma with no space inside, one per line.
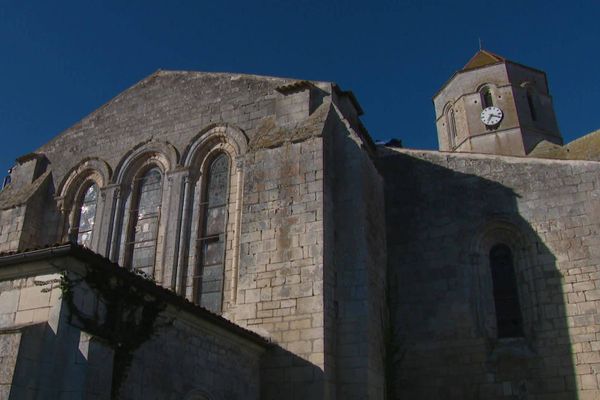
(24,317)
(309,305)
(313,333)
(9,301)
(299,347)
(252,296)
(33,297)
(591,295)
(588,382)
(245,311)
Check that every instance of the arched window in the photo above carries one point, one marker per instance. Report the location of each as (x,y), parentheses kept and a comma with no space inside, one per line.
(451,122)
(506,298)
(486,97)
(197,394)
(86,216)
(209,277)
(144,217)
(531,104)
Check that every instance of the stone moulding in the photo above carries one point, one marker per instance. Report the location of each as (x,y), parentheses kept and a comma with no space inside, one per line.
(93,169)
(163,153)
(209,137)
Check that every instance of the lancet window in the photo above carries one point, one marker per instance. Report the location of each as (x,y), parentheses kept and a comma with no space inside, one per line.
(531,104)
(452,128)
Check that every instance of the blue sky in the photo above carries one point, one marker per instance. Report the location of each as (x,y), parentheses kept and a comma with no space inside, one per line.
(62,60)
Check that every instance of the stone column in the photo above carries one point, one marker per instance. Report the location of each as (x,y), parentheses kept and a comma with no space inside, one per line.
(98,223)
(179,272)
(237,217)
(63,229)
(108,215)
(172,216)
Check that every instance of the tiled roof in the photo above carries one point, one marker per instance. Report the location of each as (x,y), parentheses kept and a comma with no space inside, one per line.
(483,58)
(12,197)
(103,263)
(584,148)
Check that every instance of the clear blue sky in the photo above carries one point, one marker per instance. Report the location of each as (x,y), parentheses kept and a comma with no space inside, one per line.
(62,60)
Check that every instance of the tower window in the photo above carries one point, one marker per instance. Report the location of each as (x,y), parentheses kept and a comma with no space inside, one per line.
(452,129)
(531,105)
(145,216)
(451,123)
(211,242)
(506,298)
(87,215)
(486,98)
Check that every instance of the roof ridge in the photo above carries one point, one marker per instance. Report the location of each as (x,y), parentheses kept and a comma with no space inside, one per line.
(493,54)
(482,58)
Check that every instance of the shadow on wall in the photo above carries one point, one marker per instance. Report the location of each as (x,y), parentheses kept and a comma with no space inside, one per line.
(52,365)
(284,375)
(453,239)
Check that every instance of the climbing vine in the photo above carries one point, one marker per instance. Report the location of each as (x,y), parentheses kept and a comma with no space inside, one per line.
(125,316)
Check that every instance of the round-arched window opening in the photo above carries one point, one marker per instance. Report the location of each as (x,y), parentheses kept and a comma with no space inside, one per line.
(210,272)
(145,217)
(487,99)
(198,394)
(87,215)
(509,321)
(451,124)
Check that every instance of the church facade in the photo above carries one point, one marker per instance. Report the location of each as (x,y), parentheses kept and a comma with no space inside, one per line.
(221,236)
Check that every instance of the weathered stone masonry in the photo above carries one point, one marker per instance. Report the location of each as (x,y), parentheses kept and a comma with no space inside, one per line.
(280,137)
(444,211)
(340,269)
(64,334)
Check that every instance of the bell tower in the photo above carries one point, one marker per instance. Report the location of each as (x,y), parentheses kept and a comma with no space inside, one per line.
(495,106)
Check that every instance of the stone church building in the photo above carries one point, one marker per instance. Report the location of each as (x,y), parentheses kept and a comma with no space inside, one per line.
(222,236)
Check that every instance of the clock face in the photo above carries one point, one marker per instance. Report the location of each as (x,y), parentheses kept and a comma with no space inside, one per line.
(491,116)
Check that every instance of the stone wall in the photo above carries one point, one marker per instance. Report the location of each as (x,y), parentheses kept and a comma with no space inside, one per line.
(9,349)
(44,355)
(274,279)
(162,116)
(174,107)
(59,335)
(444,211)
(355,251)
(26,300)
(188,358)
(11,226)
(280,290)
(23,218)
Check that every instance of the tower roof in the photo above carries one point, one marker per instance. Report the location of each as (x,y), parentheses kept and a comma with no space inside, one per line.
(483,58)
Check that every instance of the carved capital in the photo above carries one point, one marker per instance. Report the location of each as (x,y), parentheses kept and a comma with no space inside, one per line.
(61,204)
(239,162)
